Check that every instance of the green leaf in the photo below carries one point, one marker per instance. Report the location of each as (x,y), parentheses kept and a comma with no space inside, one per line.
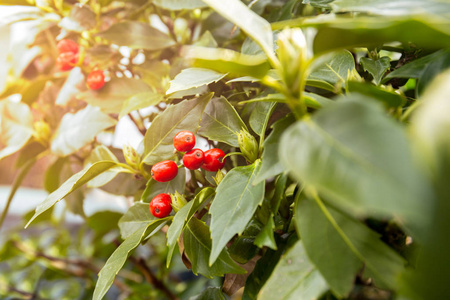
(243,248)
(234,205)
(116,261)
(265,237)
(81,18)
(197,246)
(73,183)
(137,35)
(158,140)
(16,127)
(77,130)
(270,161)
(139,101)
(388,98)
(154,187)
(180,4)
(192,78)
(376,68)
(359,158)
(227,61)
(113,96)
(182,217)
(311,100)
(210,293)
(260,116)
(220,122)
(53,174)
(416,68)
(104,221)
(430,126)
(294,277)
(389,8)
(255,26)
(138,216)
(102,153)
(371,32)
(356,245)
(333,71)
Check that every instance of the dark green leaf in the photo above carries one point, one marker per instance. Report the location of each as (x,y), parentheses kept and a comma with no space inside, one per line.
(234,205)
(265,237)
(193,78)
(359,158)
(104,221)
(294,277)
(137,35)
(158,140)
(270,162)
(388,98)
(77,130)
(197,243)
(113,96)
(243,248)
(182,217)
(355,244)
(260,116)
(376,68)
(220,122)
(74,182)
(210,293)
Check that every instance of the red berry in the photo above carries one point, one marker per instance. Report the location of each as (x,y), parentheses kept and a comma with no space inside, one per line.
(213,160)
(95,80)
(160,206)
(184,141)
(66,61)
(164,171)
(64,46)
(193,159)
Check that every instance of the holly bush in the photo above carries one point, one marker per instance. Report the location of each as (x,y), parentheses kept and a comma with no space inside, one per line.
(332,116)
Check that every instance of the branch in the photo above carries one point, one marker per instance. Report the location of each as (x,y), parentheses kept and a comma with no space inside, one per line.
(151,278)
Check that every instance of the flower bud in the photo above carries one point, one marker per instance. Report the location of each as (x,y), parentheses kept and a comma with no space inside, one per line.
(292,54)
(248,145)
(178,201)
(42,132)
(131,156)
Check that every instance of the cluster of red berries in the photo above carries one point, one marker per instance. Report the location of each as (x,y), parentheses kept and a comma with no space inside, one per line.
(67,59)
(184,141)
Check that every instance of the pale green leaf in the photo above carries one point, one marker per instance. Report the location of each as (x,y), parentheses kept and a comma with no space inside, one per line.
(193,78)
(78,129)
(73,183)
(139,101)
(376,68)
(294,277)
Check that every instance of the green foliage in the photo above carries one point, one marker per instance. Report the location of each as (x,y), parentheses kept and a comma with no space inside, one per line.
(333,115)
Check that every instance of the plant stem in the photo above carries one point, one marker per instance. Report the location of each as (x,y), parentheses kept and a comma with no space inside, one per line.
(16,184)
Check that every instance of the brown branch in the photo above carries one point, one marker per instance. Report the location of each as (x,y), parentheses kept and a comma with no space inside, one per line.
(151,278)
(141,130)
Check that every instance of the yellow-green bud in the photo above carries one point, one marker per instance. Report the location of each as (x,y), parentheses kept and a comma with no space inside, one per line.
(248,145)
(178,201)
(131,156)
(292,54)
(42,132)
(218,178)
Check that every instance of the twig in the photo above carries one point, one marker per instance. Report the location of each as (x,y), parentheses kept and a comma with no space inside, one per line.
(141,130)
(151,278)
